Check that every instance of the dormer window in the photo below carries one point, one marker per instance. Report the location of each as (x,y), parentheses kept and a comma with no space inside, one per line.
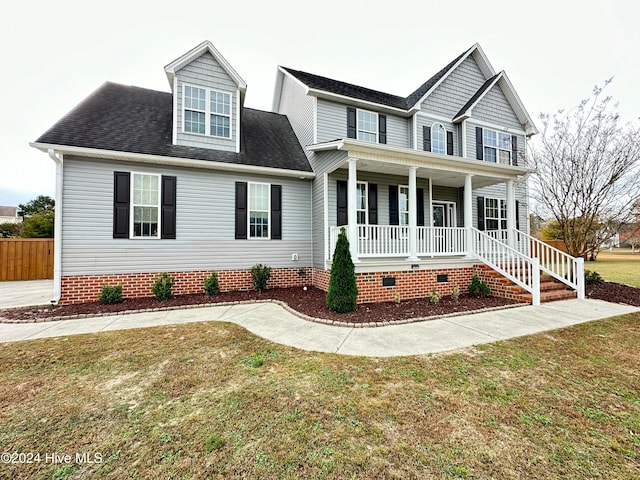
(207,112)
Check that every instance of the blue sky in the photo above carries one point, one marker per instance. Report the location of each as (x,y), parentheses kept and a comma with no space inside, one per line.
(57,53)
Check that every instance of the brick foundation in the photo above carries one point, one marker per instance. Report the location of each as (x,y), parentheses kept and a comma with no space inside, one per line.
(87,288)
(409,284)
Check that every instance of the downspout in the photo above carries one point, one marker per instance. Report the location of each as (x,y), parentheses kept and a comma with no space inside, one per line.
(57,232)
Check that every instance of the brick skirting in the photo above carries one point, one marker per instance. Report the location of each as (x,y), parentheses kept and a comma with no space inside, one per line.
(87,288)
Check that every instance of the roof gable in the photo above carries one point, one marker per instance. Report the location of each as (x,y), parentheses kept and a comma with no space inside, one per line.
(195,53)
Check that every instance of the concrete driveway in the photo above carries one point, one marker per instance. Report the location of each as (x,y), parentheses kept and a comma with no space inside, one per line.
(25,293)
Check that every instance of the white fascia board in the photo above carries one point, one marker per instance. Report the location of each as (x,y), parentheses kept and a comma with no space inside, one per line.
(171,161)
(408,156)
(518,106)
(296,80)
(495,126)
(277,91)
(196,52)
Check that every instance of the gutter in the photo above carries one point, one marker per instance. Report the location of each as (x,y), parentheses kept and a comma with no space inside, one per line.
(57,232)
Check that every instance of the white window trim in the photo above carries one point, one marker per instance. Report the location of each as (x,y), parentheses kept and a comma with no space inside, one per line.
(366,208)
(499,217)
(132,206)
(249,237)
(497,147)
(358,129)
(400,187)
(207,111)
(434,128)
(450,209)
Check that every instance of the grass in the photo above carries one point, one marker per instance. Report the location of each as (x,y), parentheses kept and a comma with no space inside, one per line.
(210,400)
(619,265)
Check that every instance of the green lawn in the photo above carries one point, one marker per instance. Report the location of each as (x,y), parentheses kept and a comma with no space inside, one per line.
(210,400)
(620,266)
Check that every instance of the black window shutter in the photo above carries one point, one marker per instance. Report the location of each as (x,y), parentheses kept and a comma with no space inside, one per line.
(373,204)
(481,213)
(449,143)
(394,216)
(241,210)
(121,195)
(168,206)
(276,212)
(426,138)
(382,128)
(479,145)
(420,209)
(341,201)
(351,122)
(514,150)
(517,215)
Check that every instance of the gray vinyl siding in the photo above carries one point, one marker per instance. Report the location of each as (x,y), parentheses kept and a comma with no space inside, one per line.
(425,121)
(206,72)
(471,140)
(205,223)
(451,95)
(299,109)
(495,108)
(332,124)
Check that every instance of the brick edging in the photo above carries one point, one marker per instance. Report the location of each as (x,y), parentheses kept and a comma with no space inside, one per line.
(285,306)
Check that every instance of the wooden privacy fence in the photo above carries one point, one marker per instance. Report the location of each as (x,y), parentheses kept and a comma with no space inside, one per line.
(559,244)
(26,258)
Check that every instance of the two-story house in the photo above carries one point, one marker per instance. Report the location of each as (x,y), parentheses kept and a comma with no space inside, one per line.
(430,187)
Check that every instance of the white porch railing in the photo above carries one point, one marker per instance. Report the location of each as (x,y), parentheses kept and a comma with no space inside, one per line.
(439,241)
(517,267)
(562,266)
(383,241)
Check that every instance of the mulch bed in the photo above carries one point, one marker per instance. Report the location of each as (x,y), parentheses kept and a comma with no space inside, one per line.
(614,292)
(310,302)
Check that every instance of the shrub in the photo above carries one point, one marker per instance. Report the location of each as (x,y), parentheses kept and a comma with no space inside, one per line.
(111,294)
(211,285)
(592,278)
(455,293)
(478,288)
(162,287)
(260,276)
(343,290)
(434,298)
(397,298)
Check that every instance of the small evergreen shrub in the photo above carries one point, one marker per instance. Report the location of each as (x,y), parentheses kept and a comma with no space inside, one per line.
(111,294)
(478,288)
(211,285)
(260,276)
(434,298)
(592,278)
(455,293)
(162,287)
(343,289)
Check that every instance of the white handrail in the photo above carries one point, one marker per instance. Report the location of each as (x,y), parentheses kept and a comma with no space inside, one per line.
(562,266)
(517,267)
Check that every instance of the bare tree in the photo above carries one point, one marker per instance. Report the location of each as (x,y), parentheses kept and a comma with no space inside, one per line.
(586,172)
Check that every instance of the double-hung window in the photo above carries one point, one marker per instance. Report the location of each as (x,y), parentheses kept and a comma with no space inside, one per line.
(259,208)
(367,126)
(403,205)
(497,147)
(146,205)
(207,112)
(495,214)
(362,210)
(438,138)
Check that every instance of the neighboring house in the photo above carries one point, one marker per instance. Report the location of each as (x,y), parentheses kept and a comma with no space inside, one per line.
(9,215)
(430,188)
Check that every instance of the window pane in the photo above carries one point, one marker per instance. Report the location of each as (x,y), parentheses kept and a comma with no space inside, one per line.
(193,122)
(220,103)
(220,126)
(194,98)
(367,137)
(505,157)
(504,141)
(489,154)
(490,138)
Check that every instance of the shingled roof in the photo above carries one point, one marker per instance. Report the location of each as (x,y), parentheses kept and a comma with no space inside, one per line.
(361,93)
(137,120)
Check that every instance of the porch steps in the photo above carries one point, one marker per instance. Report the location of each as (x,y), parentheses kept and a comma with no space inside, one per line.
(551,290)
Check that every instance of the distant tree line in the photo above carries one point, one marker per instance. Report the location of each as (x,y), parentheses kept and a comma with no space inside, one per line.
(38,220)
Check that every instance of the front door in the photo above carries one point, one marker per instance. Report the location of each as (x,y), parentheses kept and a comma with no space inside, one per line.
(443,216)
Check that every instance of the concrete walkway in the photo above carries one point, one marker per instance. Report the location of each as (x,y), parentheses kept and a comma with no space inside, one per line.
(25,293)
(274,323)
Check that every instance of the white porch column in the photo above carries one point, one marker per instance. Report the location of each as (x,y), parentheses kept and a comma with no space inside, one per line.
(413,215)
(468,212)
(352,218)
(511,214)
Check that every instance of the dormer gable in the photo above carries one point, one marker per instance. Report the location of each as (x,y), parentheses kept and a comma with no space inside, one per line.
(208,96)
